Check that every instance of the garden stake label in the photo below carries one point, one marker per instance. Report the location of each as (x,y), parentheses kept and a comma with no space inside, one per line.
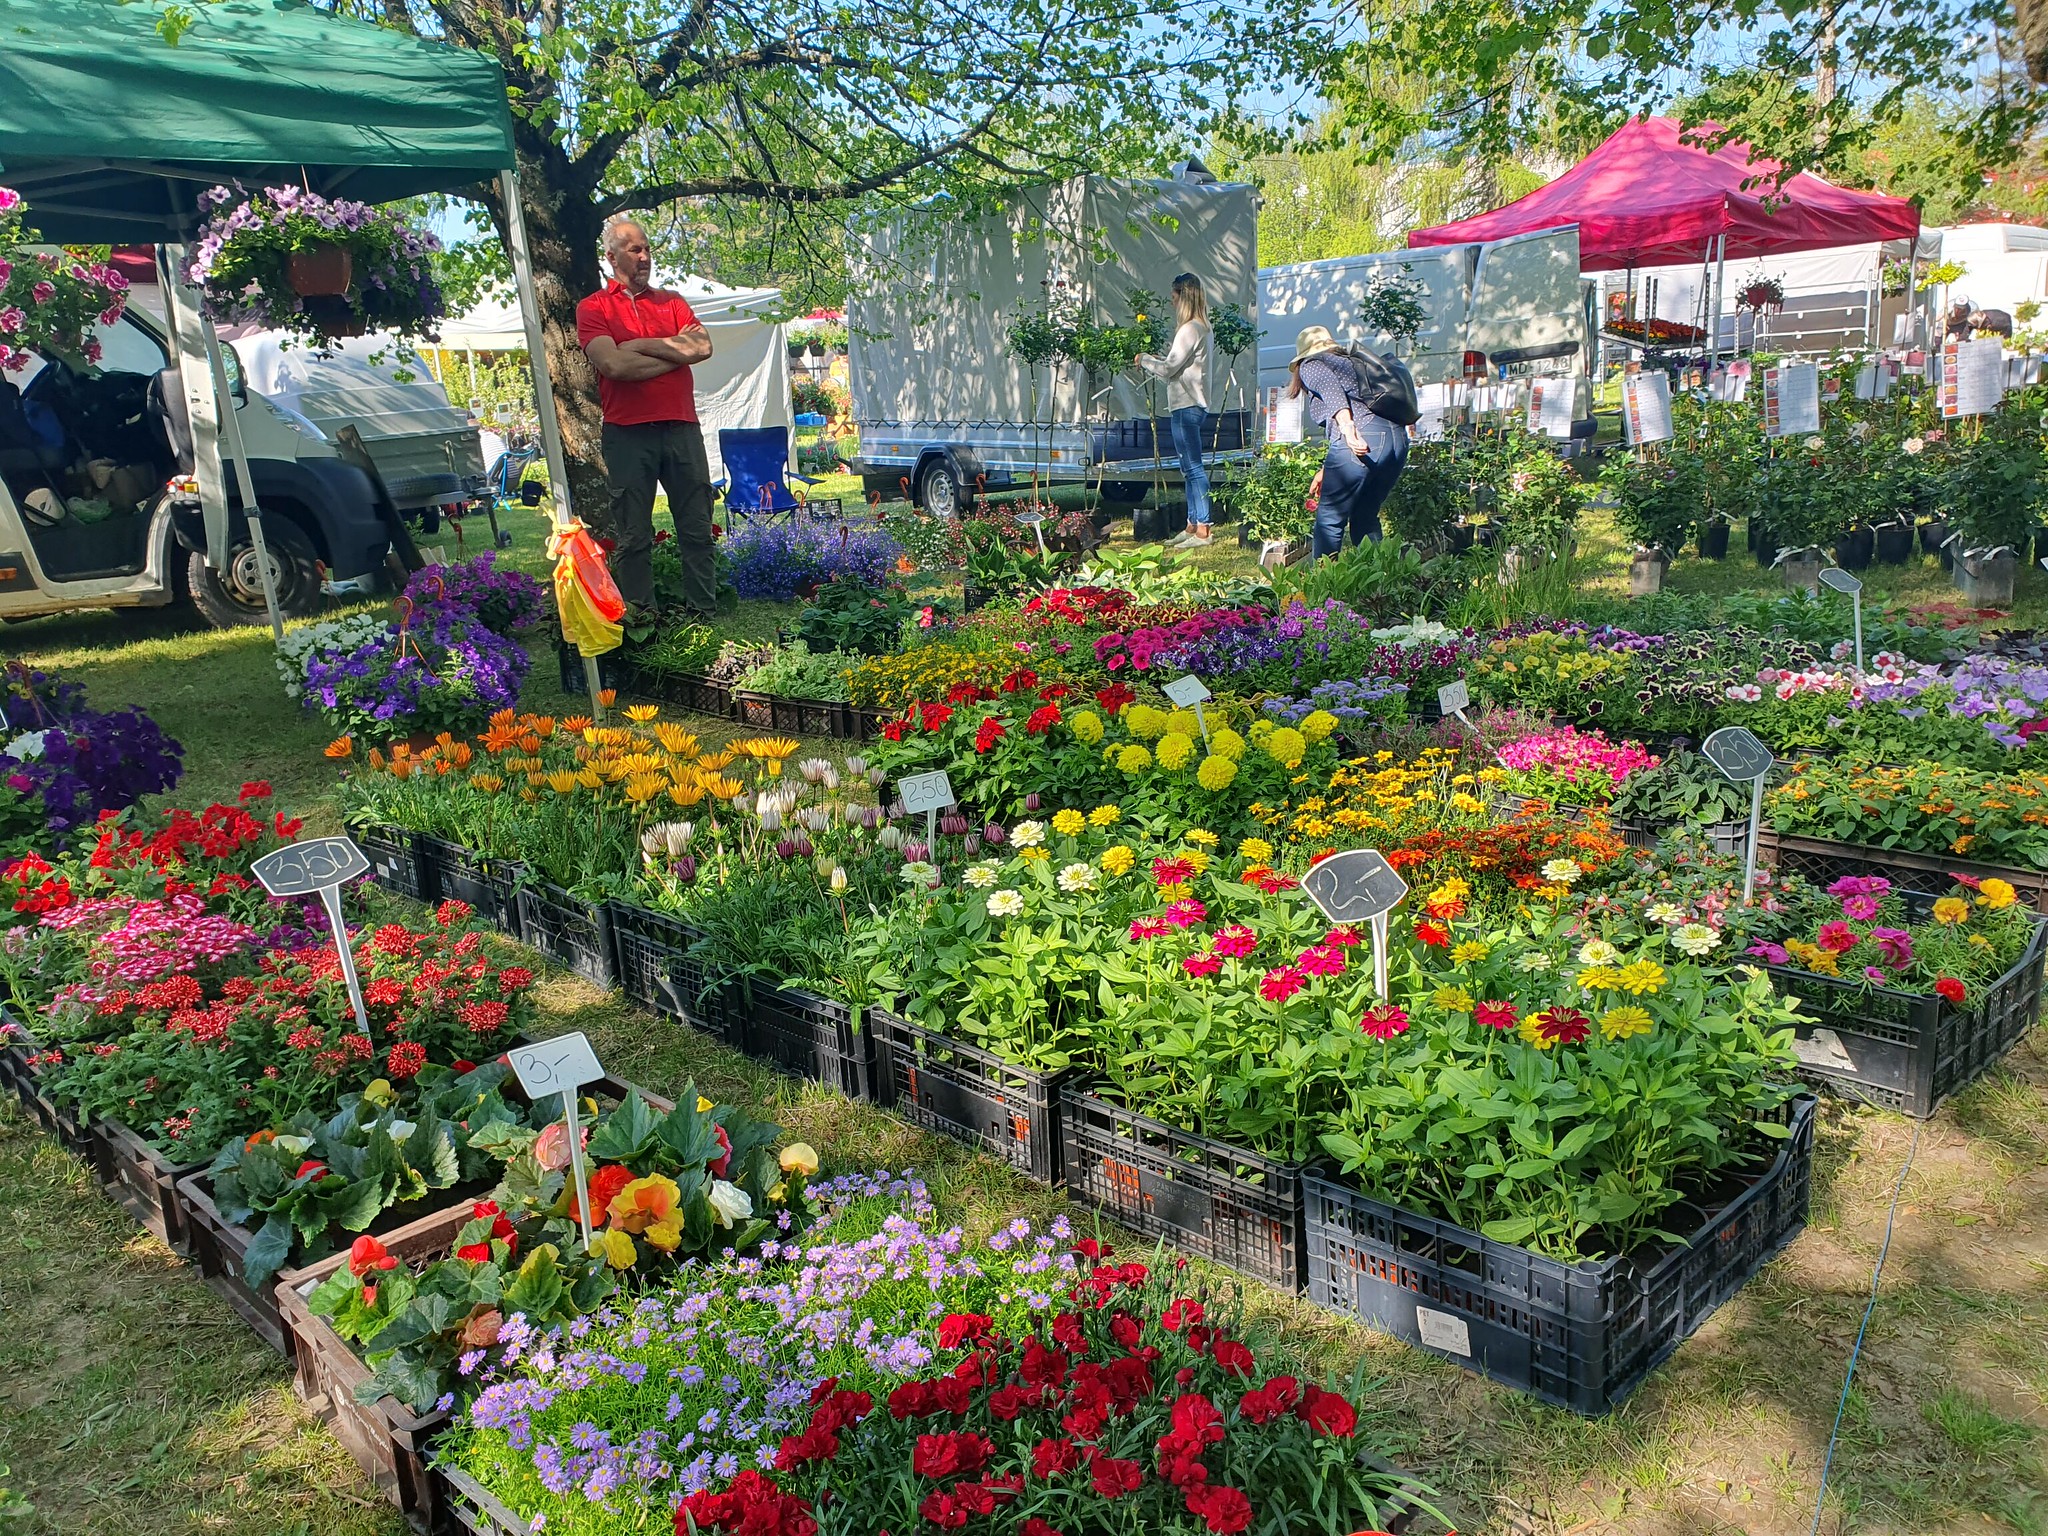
(1454,698)
(1742,758)
(1838,580)
(325,865)
(562,1065)
(1188,693)
(1035,521)
(1359,886)
(930,793)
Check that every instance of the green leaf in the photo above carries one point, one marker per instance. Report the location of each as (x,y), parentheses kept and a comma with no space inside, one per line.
(627,1132)
(268,1252)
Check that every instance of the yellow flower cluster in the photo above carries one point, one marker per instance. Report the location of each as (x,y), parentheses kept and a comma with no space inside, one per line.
(925,674)
(1548,658)
(1377,798)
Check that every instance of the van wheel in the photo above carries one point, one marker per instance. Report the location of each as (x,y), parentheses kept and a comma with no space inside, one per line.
(937,491)
(234,596)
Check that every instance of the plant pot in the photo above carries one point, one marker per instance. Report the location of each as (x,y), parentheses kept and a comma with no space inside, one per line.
(1801,570)
(1987,580)
(1932,534)
(1855,548)
(1894,543)
(1713,540)
(1646,573)
(1459,537)
(334,317)
(323,272)
(1487,535)
(1763,546)
(1150,525)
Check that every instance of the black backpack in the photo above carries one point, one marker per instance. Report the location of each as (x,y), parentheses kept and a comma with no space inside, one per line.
(1385,386)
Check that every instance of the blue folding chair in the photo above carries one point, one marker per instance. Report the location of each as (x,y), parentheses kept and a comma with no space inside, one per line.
(757,476)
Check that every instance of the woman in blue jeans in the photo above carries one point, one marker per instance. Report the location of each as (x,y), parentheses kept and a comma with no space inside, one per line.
(1367,452)
(1185,368)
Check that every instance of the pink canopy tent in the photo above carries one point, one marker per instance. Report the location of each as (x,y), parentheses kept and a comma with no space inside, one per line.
(1646,198)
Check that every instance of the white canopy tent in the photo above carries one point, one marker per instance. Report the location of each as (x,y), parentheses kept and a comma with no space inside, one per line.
(744,383)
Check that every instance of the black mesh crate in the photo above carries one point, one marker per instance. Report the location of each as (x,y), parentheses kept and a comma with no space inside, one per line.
(612,671)
(1823,862)
(657,971)
(1204,1197)
(395,863)
(1579,1335)
(795,717)
(808,1036)
(569,931)
(969,1094)
(686,690)
(488,885)
(18,1077)
(1904,1050)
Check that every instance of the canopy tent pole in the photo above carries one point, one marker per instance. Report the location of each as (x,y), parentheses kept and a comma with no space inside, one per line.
(1720,294)
(238,454)
(543,389)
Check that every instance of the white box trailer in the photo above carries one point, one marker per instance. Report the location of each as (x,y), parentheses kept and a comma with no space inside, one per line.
(943,406)
(1517,303)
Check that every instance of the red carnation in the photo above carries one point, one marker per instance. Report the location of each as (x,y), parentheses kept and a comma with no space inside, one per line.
(1327,1413)
(1223,1510)
(1181,1314)
(1234,1357)
(1054,1458)
(1112,1478)
(958,1328)
(944,1455)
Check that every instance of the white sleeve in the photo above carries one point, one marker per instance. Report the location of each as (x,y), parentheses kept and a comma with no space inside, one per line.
(1187,345)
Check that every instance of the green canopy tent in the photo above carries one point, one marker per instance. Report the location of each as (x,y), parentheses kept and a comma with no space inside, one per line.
(111,134)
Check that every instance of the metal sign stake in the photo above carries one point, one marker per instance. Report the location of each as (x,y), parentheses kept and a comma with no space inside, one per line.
(1756,810)
(1841,581)
(1359,886)
(562,1065)
(1189,692)
(322,865)
(1453,699)
(576,1164)
(1742,759)
(1379,956)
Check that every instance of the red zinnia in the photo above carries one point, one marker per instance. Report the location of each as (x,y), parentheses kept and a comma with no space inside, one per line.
(1433,934)
(1384,1022)
(1043,719)
(1495,1015)
(1115,696)
(1563,1026)
(1281,983)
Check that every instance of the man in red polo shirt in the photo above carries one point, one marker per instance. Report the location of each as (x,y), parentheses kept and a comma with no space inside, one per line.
(642,341)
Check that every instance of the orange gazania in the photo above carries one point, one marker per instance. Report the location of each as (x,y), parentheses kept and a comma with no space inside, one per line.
(342,746)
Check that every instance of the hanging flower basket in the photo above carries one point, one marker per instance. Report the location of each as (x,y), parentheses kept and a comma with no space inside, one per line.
(288,259)
(1764,293)
(51,298)
(322,271)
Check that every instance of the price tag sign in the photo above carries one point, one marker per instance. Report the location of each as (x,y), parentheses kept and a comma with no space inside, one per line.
(1035,521)
(930,793)
(1359,886)
(321,865)
(1454,698)
(1837,580)
(1189,693)
(1742,759)
(562,1065)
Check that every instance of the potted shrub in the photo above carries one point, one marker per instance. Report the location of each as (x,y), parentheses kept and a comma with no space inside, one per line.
(1655,501)
(1539,502)
(1273,503)
(288,259)
(1994,486)
(1424,504)
(1796,496)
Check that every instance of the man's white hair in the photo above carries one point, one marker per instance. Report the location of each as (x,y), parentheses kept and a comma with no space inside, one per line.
(613,225)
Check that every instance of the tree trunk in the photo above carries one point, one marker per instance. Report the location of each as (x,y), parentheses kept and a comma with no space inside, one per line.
(2032,16)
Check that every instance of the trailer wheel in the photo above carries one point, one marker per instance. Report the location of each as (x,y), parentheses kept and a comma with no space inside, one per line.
(937,491)
(226,599)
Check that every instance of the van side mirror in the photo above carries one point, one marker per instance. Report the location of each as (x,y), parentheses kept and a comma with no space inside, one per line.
(238,384)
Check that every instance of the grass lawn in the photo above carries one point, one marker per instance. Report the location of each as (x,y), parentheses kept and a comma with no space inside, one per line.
(132,1402)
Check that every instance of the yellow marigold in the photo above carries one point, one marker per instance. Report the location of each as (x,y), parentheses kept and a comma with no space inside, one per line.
(1068,822)
(1117,859)
(1469,950)
(1950,910)
(1104,816)
(1175,750)
(1133,760)
(1286,746)
(1086,726)
(1184,721)
(1996,894)
(1144,722)
(1261,729)
(1317,724)
(1452,999)
(1216,773)
(1225,742)
(1625,1023)
(1641,978)
(1255,850)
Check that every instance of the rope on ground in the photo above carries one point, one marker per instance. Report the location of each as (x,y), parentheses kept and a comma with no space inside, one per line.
(1876,1275)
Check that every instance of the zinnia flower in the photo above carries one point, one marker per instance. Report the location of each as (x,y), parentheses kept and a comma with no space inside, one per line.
(1495,1015)
(1384,1021)
(1004,903)
(1281,983)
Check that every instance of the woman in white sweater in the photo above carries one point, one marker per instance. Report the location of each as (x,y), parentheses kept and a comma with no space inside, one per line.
(1185,368)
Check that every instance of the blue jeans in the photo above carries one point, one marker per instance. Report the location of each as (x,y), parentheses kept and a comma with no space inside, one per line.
(1354,489)
(1188,423)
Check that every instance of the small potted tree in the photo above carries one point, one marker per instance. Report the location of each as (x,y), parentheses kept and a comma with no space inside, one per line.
(1994,487)
(1656,500)
(1796,504)
(1538,507)
(1424,504)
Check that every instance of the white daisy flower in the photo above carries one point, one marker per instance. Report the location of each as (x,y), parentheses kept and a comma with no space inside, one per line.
(1077,877)
(1028,834)
(1005,904)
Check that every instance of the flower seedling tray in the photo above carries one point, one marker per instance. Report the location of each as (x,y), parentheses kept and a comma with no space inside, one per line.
(395,862)
(1722,836)
(17,1074)
(1205,1197)
(1580,1335)
(388,1440)
(809,1037)
(797,717)
(1824,861)
(1905,1050)
(972,1095)
(657,972)
(611,669)
(489,886)
(573,933)
(475,1509)
(143,1182)
(686,690)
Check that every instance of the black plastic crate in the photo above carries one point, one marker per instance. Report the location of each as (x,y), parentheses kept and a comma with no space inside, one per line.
(1579,1335)
(1205,1197)
(810,1037)
(1822,861)
(612,671)
(395,863)
(569,931)
(796,717)
(969,1094)
(489,886)
(17,1076)
(1904,1050)
(657,971)
(686,690)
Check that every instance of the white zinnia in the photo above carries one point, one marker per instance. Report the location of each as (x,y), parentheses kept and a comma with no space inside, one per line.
(1563,871)
(1077,877)
(981,876)
(1028,834)
(921,875)
(1665,912)
(1599,952)
(1005,904)
(1532,960)
(1696,939)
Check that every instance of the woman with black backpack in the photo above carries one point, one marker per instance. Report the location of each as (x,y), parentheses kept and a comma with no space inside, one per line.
(1368,449)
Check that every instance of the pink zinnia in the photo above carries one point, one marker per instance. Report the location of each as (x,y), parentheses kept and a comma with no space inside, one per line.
(1385,1021)
(1201,965)
(1495,1015)
(1143,928)
(1322,962)
(1341,938)
(1185,914)
(1234,942)
(1281,983)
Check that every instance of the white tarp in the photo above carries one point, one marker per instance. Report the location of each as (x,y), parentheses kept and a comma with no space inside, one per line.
(928,320)
(744,383)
